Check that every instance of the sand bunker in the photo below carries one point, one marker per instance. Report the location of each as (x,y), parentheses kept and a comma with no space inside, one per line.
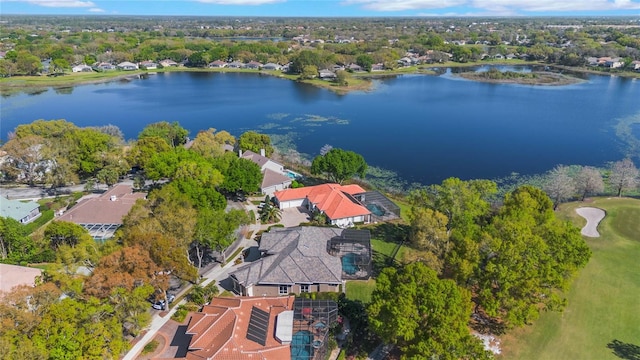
(593,216)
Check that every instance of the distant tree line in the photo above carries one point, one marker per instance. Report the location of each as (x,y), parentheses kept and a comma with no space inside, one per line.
(324,41)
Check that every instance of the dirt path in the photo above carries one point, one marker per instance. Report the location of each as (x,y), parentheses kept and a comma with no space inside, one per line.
(593,216)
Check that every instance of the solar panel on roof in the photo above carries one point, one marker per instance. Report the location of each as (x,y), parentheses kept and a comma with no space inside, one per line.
(258,326)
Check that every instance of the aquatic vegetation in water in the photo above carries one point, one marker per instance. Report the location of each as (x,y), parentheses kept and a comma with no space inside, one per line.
(625,132)
(285,121)
(277,116)
(268,126)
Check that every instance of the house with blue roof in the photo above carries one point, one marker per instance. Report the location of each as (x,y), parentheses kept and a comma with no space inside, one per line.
(23,212)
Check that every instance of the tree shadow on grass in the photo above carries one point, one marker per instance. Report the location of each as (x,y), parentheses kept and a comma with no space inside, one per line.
(625,351)
(396,234)
(390,232)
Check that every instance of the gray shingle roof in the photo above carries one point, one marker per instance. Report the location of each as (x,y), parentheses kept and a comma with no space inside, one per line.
(294,256)
(272,178)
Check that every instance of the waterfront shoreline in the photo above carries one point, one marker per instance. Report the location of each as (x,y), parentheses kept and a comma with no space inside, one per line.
(360,81)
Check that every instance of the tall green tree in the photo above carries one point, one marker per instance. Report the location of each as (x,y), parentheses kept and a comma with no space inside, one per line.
(255,142)
(242,174)
(144,149)
(216,230)
(528,257)
(15,244)
(77,329)
(64,233)
(339,165)
(211,143)
(172,133)
(426,317)
(365,61)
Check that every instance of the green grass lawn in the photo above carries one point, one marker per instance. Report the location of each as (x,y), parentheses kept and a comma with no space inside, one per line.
(602,318)
(360,290)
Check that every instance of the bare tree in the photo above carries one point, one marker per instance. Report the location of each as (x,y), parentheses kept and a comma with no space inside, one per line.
(559,185)
(589,181)
(325,149)
(624,176)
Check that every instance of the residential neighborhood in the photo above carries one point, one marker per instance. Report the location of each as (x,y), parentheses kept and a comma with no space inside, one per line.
(344,187)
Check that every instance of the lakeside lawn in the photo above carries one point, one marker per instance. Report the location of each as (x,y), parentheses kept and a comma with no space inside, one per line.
(360,290)
(383,244)
(602,318)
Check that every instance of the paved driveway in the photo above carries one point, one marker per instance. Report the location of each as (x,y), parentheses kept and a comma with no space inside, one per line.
(294,216)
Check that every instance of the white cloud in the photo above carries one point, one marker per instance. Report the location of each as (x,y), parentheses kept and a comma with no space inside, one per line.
(96,10)
(556,5)
(497,7)
(62,3)
(400,5)
(240,2)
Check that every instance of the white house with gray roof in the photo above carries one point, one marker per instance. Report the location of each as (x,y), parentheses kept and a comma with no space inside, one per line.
(23,212)
(274,177)
(294,260)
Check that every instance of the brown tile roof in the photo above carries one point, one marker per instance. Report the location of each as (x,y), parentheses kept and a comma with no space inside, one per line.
(220,330)
(332,199)
(103,210)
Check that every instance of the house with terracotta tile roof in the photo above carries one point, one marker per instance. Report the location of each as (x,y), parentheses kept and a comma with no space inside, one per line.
(274,176)
(336,201)
(238,328)
(305,259)
(261,328)
(102,215)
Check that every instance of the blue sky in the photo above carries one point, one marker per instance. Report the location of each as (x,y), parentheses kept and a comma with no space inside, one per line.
(326,8)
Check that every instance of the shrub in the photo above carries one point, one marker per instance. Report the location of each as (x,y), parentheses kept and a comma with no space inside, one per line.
(44,218)
(274,226)
(182,312)
(150,347)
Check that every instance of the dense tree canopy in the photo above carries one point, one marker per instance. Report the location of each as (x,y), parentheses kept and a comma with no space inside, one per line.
(58,152)
(172,133)
(515,258)
(242,174)
(527,256)
(426,317)
(255,142)
(339,165)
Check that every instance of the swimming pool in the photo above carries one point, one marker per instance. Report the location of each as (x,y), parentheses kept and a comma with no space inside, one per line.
(376,209)
(349,264)
(292,175)
(301,345)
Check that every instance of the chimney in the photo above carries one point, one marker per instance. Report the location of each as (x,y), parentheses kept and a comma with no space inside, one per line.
(113,198)
(262,152)
(239,152)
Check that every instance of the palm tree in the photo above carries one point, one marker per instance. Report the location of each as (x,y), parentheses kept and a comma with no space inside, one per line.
(270,213)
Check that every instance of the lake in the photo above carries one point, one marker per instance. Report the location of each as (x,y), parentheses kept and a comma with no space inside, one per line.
(424,128)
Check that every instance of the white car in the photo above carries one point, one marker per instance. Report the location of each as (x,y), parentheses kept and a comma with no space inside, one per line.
(159,305)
